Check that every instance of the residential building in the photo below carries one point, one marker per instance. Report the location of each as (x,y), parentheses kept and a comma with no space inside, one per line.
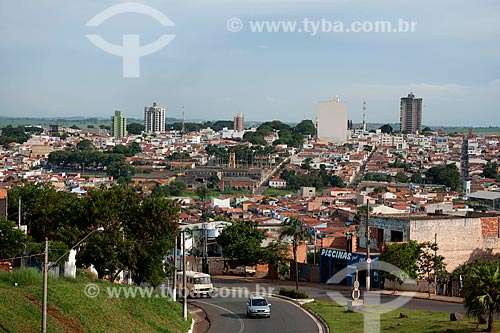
(238,123)
(277,183)
(118,125)
(411,114)
(154,119)
(459,238)
(332,121)
(307,192)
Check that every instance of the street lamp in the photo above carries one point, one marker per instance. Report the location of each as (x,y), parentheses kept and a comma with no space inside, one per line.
(46,268)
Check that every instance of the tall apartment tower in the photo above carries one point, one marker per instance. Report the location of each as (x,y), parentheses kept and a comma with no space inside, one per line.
(118,125)
(332,121)
(410,114)
(154,119)
(238,123)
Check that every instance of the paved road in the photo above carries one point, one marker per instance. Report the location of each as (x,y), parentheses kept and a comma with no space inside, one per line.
(322,294)
(229,315)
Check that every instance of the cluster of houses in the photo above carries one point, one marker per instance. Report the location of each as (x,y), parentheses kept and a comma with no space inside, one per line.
(400,211)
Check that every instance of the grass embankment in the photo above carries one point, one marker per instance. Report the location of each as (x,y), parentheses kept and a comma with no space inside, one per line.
(342,321)
(276,192)
(69,310)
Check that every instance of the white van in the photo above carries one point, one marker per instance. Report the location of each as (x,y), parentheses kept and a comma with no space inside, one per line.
(197,284)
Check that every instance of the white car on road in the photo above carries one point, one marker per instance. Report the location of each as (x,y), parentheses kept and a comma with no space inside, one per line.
(258,306)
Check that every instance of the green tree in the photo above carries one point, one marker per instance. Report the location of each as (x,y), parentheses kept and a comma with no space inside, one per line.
(401,177)
(430,265)
(121,171)
(482,292)
(11,134)
(135,128)
(12,239)
(220,124)
(448,176)
(387,129)
(242,241)
(490,170)
(177,187)
(202,192)
(292,228)
(305,127)
(213,182)
(276,254)
(403,256)
(255,138)
(85,145)
(416,178)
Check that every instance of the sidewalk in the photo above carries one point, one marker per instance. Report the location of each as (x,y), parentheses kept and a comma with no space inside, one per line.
(432,297)
(323,286)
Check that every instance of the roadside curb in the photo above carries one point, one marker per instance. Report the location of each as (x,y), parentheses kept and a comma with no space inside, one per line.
(192,326)
(200,322)
(301,302)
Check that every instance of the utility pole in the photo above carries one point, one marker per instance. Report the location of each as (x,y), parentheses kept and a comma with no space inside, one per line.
(19,214)
(19,227)
(368,259)
(435,266)
(314,258)
(44,296)
(184,277)
(205,249)
(174,287)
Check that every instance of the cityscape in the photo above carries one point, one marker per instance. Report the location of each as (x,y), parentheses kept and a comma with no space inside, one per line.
(148,199)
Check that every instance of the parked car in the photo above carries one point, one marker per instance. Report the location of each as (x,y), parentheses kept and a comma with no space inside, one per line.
(241,270)
(258,306)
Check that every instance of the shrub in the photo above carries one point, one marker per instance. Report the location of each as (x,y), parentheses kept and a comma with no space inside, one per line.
(292,293)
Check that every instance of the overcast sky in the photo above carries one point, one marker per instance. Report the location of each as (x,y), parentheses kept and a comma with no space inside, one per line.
(49,68)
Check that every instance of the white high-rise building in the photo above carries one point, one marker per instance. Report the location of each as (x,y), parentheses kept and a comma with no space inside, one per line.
(154,119)
(332,121)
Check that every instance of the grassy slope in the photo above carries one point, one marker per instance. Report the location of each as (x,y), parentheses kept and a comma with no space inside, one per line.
(339,320)
(275,192)
(69,310)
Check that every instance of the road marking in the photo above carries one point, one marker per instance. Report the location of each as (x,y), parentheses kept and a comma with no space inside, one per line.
(242,324)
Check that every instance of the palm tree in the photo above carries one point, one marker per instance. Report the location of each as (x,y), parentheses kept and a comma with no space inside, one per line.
(482,292)
(292,228)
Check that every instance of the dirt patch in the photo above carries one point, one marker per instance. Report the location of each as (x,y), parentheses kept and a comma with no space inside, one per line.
(71,324)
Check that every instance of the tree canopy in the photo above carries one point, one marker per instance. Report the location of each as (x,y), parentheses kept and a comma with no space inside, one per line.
(490,170)
(13,134)
(482,291)
(135,128)
(405,257)
(448,176)
(387,129)
(292,229)
(242,241)
(138,230)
